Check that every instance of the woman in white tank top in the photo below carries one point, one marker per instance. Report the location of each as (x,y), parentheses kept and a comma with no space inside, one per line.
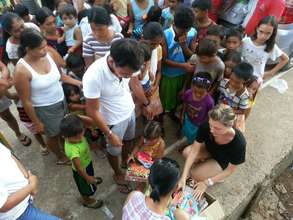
(37,81)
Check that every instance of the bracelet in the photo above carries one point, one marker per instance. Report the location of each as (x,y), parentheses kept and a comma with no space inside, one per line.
(210,182)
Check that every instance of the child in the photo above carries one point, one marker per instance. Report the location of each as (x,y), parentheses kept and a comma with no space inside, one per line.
(59,4)
(72,34)
(257,49)
(231,58)
(77,150)
(206,60)
(202,20)
(196,104)
(151,143)
(233,40)
(168,13)
(75,65)
(74,100)
(234,93)
(177,48)
(252,88)
(216,34)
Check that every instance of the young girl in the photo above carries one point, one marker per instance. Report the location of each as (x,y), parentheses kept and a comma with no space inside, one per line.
(72,34)
(196,104)
(151,143)
(252,86)
(231,59)
(73,98)
(257,49)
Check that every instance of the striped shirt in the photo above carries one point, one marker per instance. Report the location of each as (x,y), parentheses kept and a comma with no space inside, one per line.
(91,47)
(233,99)
(137,209)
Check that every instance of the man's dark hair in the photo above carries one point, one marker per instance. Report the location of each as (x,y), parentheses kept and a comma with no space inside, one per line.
(42,14)
(206,47)
(243,71)
(21,10)
(71,126)
(68,10)
(127,53)
(152,30)
(202,5)
(99,16)
(216,30)
(235,32)
(184,17)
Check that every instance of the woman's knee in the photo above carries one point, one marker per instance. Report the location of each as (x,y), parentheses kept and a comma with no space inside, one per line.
(186,152)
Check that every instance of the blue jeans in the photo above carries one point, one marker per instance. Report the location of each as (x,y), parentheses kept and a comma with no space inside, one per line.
(33,213)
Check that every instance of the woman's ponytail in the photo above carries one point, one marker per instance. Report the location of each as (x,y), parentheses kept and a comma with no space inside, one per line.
(155,194)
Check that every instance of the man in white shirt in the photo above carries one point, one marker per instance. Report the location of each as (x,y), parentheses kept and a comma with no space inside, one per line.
(106,85)
(17,187)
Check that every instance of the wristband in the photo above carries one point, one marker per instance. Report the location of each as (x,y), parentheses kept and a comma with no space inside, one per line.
(210,182)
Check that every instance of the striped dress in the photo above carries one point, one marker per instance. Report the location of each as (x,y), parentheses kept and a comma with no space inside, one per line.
(93,48)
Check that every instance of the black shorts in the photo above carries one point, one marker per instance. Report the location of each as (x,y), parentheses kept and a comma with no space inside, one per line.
(84,188)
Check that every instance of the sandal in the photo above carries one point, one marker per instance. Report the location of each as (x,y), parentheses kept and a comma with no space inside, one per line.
(63,162)
(44,151)
(25,140)
(125,189)
(99,180)
(95,205)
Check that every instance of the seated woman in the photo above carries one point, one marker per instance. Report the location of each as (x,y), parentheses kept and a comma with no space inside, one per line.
(216,151)
(163,178)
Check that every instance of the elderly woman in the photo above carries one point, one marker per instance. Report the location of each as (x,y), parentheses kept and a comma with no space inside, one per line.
(216,152)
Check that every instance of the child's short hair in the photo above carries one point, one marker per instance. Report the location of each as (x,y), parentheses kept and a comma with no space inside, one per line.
(202,5)
(216,30)
(146,47)
(74,61)
(68,90)
(234,56)
(71,126)
(184,17)
(243,71)
(99,16)
(252,79)
(207,47)
(154,14)
(68,10)
(152,130)
(152,30)
(202,80)
(235,32)
(21,10)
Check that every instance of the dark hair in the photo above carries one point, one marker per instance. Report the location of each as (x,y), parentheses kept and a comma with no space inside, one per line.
(29,38)
(127,53)
(99,16)
(216,30)
(202,80)
(234,32)
(42,14)
(82,14)
(70,126)
(69,90)
(68,10)
(108,7)
(154,14)
(202,5)
(233,56)
(21,10)
(184,17)
(207,47)
(74,61)
(7,20)
(163,177)
(243,71)
(152,30)
(152,130)
(146,47)
(270,43)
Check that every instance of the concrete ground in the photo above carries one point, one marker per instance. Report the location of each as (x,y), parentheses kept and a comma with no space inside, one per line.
(269,150)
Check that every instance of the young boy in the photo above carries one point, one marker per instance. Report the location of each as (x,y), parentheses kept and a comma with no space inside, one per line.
(234,93)
(77,150)
(72,33)
(177,48)
(202,20)
(206,60)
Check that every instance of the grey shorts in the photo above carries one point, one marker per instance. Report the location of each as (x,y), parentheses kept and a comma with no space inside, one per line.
(125,130)
(4,103)
(51,117)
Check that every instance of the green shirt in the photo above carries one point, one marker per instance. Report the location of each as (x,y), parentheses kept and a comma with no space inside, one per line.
(78,150)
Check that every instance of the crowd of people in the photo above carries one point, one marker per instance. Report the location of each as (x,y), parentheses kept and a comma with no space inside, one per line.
(84,72)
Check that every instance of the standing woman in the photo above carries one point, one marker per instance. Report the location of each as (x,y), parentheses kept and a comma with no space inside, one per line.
(137,10)
(37,81)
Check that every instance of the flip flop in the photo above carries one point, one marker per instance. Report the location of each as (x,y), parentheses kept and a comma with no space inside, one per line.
(44,151)
(25,140)
(97,204)
(62,162)
(99,180)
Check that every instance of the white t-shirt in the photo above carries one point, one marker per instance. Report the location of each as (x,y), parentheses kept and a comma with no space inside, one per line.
(257,56)
(116,103)
(11,180)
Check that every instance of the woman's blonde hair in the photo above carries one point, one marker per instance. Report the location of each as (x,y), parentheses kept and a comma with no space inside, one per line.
(224,114)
